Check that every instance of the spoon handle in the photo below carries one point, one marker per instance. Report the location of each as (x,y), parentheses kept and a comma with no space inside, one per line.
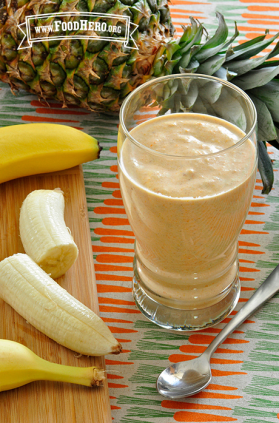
(262,294)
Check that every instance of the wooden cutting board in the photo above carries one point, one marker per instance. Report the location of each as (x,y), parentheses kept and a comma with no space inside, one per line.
(50,402)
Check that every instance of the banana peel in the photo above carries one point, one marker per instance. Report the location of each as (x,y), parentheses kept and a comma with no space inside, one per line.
(30,149)
(19,366)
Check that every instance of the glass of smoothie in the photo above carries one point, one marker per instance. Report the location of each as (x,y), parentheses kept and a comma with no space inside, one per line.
(187,160)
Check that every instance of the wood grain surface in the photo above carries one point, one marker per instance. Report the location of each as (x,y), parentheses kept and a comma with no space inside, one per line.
(50,402)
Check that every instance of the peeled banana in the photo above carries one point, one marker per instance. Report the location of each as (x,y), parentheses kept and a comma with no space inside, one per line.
(35,148)
(44,234)
(51,309)
(19,366)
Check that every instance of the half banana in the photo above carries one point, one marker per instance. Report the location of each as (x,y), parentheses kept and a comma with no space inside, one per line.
(44,234)
(51,309)
(19,366)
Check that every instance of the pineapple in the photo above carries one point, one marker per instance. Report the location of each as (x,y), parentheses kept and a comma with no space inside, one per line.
(94,74)
(98,75)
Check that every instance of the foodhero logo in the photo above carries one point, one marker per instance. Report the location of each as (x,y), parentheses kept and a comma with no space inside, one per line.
(83,25)
(77,25)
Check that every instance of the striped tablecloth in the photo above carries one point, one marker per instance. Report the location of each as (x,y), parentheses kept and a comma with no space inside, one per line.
(246,367)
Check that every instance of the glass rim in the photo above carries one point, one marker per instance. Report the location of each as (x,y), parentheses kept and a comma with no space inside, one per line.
(128,99)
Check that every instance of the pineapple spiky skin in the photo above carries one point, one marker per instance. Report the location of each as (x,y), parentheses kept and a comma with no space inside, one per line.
(94,74)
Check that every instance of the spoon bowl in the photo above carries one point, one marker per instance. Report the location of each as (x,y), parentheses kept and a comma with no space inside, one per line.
(188,378)
(184,379)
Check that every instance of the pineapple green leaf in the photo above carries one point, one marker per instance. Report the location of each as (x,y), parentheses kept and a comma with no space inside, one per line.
(192,67)
(183,63)
(274,52)
(269,64)
(269,94)
(265,168)
(275,142)
(214,44)
(199,106)
(185,60)
(192,94)
(170,97)
(266,128)
(163,111)
(189,32)
(202,106)
(176,108)
(225,47)
(211,92)
(224,74)
(169,65)
(158,67)
(211,65)
(167,92)
(171,48)
(220,35)
(256,78)
(250,43)
(173,84)
(159,61)
(241,67)
(229,108)
(252,50)
(195,41)
(183,86)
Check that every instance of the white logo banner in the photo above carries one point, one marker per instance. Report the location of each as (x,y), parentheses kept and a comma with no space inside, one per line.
(77,25)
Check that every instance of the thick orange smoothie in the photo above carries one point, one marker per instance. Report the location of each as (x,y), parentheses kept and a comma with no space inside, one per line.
(187,198)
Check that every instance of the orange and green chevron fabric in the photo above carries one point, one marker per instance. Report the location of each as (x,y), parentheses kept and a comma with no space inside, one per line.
(245,368)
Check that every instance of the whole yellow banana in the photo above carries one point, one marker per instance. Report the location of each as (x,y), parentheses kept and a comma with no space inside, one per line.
(19,366)
(42,148)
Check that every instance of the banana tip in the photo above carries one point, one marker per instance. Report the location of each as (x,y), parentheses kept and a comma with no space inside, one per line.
(98,377)
(116,349)
(100,149)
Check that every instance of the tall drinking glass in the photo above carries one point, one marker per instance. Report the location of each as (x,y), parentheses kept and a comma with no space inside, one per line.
(187,160)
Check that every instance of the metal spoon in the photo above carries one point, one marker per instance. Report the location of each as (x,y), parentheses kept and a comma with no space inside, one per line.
(188,378)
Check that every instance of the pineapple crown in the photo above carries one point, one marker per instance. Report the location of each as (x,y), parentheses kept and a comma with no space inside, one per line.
(195,52)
